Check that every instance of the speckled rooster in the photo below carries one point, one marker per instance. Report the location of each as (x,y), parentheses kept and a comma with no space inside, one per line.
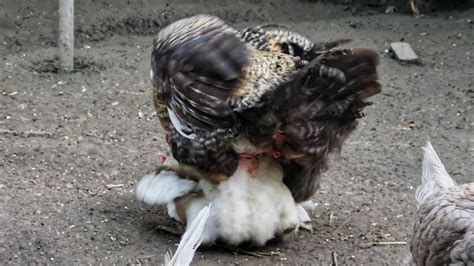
(250,117)
(286,95)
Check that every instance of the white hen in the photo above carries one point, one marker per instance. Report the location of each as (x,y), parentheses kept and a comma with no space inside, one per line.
(444,227)
(252,208)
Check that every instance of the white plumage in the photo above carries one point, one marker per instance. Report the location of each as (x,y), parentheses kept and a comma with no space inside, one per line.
(165,189)
(245,208)
(252,208)
(180,127)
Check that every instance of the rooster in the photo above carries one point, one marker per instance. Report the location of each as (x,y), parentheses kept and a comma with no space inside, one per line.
(444,227)
(290,98)
(250,117)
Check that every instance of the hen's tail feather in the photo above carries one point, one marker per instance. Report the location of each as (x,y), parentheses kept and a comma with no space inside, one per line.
(319,108)
(325,46)
(359,68)
(162,187)
(332,77)
(434,176)
(190,241)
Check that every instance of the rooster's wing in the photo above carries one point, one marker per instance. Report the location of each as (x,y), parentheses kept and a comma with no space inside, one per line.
(205,76)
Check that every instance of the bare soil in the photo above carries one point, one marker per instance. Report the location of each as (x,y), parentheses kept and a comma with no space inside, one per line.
(65,137)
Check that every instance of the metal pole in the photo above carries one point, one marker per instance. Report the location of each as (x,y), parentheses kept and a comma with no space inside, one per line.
(66,35)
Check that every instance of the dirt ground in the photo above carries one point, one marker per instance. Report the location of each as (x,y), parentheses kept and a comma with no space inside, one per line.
(65,137)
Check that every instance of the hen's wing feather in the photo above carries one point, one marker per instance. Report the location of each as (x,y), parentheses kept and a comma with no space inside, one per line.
(161,109)
(205,75)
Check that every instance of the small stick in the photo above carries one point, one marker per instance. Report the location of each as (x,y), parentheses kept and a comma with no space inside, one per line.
(255,254)
(371,244)
(258,254)
(271,25)
(334,259)
(331,216)
(114,185)
(250,253)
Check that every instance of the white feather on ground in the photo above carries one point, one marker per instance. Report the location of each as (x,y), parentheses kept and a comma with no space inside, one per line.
(434,176)
(190,241)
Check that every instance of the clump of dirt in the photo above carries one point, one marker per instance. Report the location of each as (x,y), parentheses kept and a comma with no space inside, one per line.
(136,24)
(81,64)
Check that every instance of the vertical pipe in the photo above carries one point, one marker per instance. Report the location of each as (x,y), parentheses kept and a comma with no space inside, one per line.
(66,35)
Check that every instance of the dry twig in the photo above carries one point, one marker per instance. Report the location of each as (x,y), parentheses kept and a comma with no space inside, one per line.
(330,218)
(258,254)
(114,185)
(379,243)
(250,253)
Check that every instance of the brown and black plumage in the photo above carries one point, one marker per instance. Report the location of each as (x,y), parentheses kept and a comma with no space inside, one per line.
(288,96)
(317,114)
(278,39)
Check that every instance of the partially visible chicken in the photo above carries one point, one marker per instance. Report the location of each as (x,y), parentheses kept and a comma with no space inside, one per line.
(211,87)
(444,227)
